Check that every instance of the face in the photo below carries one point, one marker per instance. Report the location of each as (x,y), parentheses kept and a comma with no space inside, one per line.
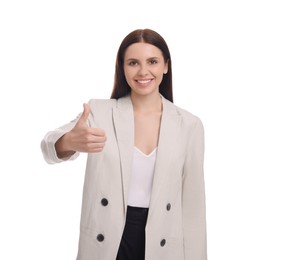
(144,67)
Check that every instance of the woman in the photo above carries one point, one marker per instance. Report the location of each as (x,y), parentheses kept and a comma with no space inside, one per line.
(144,195)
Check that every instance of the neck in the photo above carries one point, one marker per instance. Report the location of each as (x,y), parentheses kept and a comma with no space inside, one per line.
(150,103)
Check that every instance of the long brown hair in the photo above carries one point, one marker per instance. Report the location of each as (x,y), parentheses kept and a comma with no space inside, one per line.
(121,87)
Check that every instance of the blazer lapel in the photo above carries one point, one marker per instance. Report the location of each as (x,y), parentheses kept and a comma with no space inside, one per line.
(124,126)
(169,132)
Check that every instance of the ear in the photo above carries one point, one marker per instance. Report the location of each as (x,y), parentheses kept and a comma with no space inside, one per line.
(166,67)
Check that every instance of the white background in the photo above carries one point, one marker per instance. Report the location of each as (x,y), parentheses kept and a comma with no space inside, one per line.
(230,67)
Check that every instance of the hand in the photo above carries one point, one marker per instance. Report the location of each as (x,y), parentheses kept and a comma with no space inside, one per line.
(81,138)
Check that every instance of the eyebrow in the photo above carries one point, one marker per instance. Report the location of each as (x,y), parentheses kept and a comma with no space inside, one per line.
(134,59)
(147,58)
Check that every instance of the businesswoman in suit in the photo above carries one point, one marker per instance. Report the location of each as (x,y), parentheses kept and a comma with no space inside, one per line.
(143,195)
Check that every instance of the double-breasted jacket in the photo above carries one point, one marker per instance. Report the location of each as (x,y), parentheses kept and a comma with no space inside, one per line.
(176,224)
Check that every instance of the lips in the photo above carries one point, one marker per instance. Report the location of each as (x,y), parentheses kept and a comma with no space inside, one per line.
(144,81)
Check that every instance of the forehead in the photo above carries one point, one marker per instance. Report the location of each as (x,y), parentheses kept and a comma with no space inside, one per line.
(142,50)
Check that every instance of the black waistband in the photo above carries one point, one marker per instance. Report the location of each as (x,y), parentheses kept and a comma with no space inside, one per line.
(137,209)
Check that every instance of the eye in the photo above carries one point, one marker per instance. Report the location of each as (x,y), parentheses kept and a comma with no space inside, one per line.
(153,61)
(132,63)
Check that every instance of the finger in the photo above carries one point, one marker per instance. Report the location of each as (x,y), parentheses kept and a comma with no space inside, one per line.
(97,132)
(85,114)
(95,147)
(93,139)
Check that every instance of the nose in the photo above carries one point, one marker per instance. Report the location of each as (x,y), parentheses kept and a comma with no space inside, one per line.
(143,70)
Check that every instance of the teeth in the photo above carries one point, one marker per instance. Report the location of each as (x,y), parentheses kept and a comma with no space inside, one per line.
(144,81)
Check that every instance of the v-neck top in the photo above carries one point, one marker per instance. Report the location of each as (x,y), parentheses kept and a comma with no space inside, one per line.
(142,178)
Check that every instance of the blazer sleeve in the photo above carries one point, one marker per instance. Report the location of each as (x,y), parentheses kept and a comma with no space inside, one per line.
(193,195)
(49,140)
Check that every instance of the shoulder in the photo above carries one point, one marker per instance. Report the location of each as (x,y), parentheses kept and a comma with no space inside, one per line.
(101,103)
(188,118)
(191,121)
(103,108)
(110,103)
(100,109)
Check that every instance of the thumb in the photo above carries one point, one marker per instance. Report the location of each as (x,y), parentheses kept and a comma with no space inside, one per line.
(85,114)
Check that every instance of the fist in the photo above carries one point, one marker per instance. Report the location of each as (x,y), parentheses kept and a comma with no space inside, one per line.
(83,138)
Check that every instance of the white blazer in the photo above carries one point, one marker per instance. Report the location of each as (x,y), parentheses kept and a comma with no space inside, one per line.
(176,224)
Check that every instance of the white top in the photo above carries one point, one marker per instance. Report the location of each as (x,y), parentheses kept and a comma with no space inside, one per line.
(143,167)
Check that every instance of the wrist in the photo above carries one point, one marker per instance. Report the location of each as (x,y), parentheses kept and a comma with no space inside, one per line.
(61,148)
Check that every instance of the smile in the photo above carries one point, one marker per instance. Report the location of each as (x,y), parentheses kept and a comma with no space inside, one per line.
(144,81)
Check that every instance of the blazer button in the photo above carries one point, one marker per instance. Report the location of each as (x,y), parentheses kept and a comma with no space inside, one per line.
(169,206)
(100,237)
(104,202)
(163,242)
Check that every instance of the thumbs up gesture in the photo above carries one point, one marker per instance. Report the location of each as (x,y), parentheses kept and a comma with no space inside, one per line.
(81,138)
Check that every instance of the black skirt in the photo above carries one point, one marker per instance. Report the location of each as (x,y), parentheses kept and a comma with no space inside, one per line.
(132,245)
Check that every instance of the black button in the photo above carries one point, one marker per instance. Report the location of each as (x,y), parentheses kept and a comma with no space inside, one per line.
(169,206)
(163,242)
(104,202)
(100,237)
